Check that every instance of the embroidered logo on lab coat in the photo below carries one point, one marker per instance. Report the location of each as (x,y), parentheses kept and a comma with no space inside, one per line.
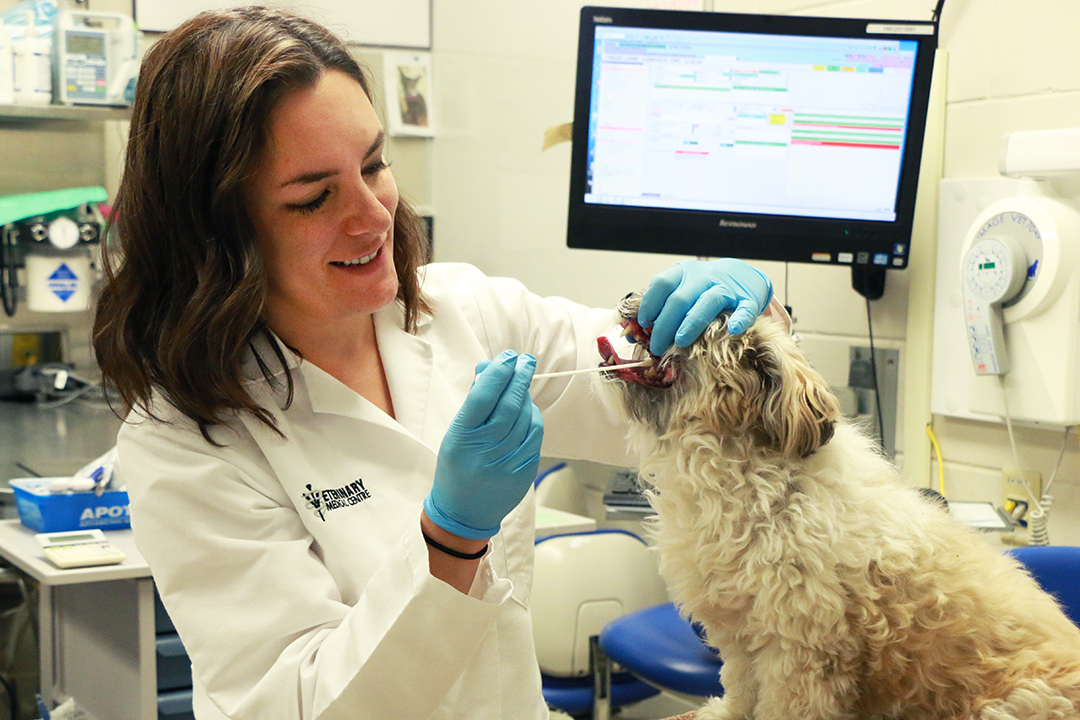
(324,501)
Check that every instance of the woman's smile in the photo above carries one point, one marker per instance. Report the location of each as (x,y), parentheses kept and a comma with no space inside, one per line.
(357,261)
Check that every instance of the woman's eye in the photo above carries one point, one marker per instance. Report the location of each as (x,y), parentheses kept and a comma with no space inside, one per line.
(310,207)
(376,167)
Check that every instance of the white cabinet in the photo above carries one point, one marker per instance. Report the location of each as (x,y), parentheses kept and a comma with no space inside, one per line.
(401,23)
(98,628)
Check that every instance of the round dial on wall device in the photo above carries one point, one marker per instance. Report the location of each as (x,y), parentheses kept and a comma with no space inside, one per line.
(994,269)
(64,233)
(992,273)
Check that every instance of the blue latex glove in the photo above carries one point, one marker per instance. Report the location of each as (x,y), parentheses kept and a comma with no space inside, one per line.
(491,452)
(681,301)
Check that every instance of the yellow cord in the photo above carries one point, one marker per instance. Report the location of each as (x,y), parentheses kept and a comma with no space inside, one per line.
(940,464)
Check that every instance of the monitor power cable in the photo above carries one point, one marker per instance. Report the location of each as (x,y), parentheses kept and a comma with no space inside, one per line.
(874,372)
(937,11)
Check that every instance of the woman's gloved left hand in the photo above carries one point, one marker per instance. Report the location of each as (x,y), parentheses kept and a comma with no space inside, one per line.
(490,454)
(681,301)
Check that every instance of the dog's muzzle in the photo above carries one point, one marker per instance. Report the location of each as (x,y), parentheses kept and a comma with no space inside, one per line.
(661,373)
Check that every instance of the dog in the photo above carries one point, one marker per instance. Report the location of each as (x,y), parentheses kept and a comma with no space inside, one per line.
(830,588)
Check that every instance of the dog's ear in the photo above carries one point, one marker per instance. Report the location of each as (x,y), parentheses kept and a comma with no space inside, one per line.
(769,390)
(799,412)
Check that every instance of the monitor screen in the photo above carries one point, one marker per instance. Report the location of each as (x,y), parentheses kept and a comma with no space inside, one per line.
(756,136)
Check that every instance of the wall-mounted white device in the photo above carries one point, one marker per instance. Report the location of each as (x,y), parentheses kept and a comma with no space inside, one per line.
(94,58)
(993,271)
(48,238)
(1040,154)
(1019,273)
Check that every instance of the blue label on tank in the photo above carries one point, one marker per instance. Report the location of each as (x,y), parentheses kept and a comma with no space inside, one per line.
(63,283)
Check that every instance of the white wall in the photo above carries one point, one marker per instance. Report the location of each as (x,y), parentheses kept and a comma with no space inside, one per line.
(504,73)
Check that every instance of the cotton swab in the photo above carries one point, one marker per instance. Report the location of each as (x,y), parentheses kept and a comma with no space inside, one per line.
(599,368)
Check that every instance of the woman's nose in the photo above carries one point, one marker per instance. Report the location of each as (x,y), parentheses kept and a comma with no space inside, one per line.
(367,212)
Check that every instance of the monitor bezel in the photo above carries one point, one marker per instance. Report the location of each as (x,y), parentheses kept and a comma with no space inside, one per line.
(750,236)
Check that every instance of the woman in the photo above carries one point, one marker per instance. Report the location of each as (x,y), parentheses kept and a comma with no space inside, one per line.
(335,513)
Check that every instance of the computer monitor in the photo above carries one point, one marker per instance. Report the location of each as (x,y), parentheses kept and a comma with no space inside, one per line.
(767,137)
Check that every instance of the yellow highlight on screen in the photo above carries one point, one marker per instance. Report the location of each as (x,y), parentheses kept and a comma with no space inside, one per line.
(777,119)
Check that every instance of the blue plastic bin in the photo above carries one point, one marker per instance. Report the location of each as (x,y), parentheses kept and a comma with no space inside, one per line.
(44,511)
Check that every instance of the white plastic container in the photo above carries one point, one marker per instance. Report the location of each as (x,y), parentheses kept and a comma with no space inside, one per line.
(33,67)
(58,282)
(7,68)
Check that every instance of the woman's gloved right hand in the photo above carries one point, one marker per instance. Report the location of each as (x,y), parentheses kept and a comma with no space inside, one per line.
(491,452)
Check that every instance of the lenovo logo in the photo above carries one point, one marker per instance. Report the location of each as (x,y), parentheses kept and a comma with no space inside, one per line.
(602,19)
(737,224)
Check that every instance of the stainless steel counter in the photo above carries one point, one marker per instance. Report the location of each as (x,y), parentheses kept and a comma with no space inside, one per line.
(53,442)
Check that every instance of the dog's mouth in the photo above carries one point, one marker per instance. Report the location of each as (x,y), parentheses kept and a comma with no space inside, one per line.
(656,373)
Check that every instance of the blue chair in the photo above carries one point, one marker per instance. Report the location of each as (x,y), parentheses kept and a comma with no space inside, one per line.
(582,582)
(665,650)
(1057,570)
(662,648)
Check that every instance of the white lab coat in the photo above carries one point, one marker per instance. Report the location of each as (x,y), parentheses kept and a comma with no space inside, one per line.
(295,571)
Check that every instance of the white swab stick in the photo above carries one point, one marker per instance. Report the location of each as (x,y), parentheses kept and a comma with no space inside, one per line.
(599,368)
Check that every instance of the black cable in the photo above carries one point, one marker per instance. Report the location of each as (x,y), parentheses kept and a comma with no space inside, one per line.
(25,469)
(873,369)
(937,11)
(9,270)
(787,298)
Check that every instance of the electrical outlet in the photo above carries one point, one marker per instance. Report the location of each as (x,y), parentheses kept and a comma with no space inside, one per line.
(1017,497)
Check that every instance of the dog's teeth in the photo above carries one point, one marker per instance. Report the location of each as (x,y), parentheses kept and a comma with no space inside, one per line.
(650,372)
(648,361)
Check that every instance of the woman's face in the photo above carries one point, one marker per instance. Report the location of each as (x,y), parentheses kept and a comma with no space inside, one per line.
(323,202)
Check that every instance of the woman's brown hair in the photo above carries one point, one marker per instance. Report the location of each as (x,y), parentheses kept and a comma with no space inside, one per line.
(185,286)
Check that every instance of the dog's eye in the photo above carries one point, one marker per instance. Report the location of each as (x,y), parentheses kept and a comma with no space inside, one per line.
(627,296)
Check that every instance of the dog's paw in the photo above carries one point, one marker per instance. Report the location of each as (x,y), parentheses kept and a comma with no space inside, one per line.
(719,709)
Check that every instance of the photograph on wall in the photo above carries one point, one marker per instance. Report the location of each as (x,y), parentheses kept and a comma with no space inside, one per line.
(407,79)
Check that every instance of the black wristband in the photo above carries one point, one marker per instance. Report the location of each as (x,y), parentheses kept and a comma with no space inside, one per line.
(453,553)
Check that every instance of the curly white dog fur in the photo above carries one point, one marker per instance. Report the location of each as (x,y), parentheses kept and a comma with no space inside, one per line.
(831,589)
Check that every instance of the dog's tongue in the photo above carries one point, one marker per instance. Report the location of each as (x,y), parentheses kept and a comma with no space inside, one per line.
(611,357)
(642,375)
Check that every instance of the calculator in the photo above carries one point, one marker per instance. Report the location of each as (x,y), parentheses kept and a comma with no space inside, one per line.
(79,548)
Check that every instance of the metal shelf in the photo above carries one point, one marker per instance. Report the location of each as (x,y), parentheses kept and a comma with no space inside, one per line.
(83,113)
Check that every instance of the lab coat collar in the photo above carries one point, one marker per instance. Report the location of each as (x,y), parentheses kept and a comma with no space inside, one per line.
(391,317)
(272,386)
(261,345)
(407,360)
(329,395)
